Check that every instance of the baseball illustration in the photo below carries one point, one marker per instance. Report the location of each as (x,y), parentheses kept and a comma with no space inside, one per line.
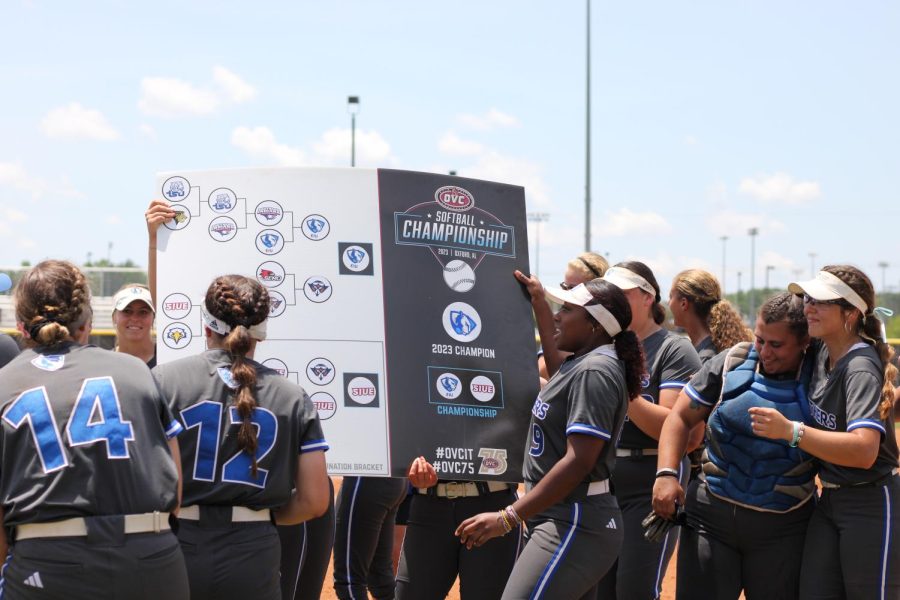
(459,276)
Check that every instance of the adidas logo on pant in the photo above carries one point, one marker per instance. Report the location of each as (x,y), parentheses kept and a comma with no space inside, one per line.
(34,580)
(611,524)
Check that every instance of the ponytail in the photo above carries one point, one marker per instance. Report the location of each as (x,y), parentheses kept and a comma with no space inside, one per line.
(630,351)
(871,327)
(237,343)
(726,328)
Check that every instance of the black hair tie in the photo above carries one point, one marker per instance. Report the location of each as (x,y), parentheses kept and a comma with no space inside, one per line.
(35,329)
(590,267)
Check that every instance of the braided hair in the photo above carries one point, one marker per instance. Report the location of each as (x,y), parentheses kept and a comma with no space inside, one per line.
(240,302)
(53,301)
(702,290)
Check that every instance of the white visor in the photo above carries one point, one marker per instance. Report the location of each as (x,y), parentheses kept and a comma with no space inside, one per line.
(136,293)
(257,332)
(829,287)
(627,280)
(580,296)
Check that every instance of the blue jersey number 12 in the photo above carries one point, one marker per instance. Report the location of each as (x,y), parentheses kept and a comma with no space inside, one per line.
(96,417)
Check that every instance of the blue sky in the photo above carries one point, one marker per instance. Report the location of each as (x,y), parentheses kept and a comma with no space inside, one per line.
(708,118)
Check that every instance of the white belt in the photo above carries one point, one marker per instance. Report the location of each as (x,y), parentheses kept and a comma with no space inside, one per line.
(142,523)
(636,452)
(239,514)
(598,487)
(462,489)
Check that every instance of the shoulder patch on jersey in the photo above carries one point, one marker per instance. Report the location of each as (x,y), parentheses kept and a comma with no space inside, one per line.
(49,362)
(226,376)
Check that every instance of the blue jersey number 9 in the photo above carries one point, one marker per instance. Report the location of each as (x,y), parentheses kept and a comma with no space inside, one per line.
(206,416)
(96,417)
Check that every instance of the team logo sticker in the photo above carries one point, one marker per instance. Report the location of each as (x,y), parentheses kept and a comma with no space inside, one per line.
(317,289)
(449,386)
(270,274)
(268,213)
(49,362)
(276,365)
(227,377)
(277,304)
(356,258)
(316,227)
(361,389)
(461,322)
(180,220)
(325,405)
(320,371)
(176,189)
(482,388)
(176,306)
(269,241)
(222,229)
(222,200)
(176,336)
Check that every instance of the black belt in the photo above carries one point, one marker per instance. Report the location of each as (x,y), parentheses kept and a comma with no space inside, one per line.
(883,480)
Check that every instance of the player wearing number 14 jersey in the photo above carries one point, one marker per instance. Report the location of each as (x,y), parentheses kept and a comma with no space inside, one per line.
(251,438)
(86,474)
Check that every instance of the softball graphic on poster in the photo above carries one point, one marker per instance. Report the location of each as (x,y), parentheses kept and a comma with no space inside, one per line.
(392,304)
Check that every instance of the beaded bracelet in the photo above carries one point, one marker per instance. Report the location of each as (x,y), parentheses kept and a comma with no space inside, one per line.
(799,430)
(513,515)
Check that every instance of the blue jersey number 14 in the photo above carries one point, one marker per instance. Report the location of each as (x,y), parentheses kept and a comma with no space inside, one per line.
(96,417)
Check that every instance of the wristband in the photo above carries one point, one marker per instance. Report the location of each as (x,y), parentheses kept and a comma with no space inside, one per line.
(795,437)
(667,472)
(507,527)
(511,512)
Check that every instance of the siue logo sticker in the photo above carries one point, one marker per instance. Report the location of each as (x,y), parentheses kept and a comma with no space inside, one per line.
(482,388)
(461,322)
(361,390)
(176,336)
(320,371)
(449,386)
(325,405)
(277,365)
(176,306)
(315,227)
(356,258)
(268,213)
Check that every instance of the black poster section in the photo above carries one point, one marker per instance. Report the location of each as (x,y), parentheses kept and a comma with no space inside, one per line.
(461,364)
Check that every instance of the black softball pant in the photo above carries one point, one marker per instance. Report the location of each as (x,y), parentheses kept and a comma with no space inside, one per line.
(306,553)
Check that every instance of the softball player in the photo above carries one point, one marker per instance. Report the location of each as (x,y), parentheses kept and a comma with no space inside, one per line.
(747,516)
(88,478)
(364,540)
(306,554)
(9,349)
(575,527)
(853,542)
(251,436)
(132,317)
(670,361)
(710,321)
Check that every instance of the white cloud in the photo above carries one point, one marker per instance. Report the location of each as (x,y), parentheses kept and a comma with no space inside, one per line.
(780,187)
(147,131)
(690,140)
(627,222)
(735,224)
(261,143)
(76,121)
(452,144)
(237,90)
(165,97)
(490,120)
(371,148)
(15,176)
(494,166)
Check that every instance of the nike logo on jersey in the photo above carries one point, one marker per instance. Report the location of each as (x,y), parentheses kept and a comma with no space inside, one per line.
(34,580)
(611,524)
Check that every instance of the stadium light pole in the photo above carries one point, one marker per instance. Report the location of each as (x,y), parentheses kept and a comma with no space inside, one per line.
(753,232)
(883,265)
(537,218)
(587,137)
(769,269)
(724,239)
(353,109)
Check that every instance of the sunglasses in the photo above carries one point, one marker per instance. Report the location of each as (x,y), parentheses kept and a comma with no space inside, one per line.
(566,286)
(807,299)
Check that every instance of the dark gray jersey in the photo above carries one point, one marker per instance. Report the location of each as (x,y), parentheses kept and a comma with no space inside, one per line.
(83,433)
(216,472)
(670,361)
(587,396)
(849,398)
(705,349)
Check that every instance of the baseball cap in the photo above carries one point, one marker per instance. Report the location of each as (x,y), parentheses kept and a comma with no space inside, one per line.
(581,296)
(125,297)
(624,279)
(5,282)
(827,286)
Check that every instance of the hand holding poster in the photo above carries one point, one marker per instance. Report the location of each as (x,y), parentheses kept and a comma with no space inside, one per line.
(393,305)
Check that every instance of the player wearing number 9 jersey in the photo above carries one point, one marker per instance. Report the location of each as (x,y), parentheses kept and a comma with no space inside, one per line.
(253,448)
(86,474)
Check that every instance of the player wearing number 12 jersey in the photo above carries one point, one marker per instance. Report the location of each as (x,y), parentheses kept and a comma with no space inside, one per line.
(252,437)
(86,474)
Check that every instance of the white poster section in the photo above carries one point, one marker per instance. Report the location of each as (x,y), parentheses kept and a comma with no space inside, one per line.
(283,226)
